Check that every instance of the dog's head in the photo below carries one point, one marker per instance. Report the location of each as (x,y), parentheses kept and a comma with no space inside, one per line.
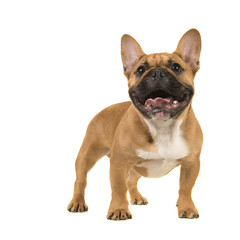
(161,85)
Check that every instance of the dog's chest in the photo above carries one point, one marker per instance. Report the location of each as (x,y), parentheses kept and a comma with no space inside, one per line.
(170,145)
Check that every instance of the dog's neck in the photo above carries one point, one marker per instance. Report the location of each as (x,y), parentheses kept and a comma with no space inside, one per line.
(166,128)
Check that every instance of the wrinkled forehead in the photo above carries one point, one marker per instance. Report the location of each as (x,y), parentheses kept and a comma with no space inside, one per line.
(159,59)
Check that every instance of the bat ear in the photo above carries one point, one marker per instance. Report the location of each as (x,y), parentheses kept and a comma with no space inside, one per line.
(131,52)
(189,48)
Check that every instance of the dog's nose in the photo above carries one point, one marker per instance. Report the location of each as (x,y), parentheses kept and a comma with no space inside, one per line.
(157,74)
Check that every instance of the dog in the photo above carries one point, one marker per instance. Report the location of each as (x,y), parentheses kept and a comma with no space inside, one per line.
(151,134)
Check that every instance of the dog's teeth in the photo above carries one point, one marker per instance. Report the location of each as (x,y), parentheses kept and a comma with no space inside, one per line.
(175,102)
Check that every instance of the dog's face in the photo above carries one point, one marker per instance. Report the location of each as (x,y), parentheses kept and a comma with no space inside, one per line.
(161,85)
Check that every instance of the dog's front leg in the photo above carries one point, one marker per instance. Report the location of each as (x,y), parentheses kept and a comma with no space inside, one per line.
(188,176)
(118,209)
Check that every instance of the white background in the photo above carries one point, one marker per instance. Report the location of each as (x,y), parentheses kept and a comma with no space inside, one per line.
(60,64)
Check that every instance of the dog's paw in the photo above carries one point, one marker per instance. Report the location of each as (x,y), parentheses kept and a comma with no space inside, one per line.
(119,214)
(187,210)
(77,206)
(188,213)
(139,200)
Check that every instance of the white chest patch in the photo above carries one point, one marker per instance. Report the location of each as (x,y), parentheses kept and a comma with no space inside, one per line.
(171,146)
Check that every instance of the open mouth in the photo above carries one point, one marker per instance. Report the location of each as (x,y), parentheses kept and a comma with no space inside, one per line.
(161,104)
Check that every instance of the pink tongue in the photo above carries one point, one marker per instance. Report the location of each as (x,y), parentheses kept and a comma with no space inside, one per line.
(157,102)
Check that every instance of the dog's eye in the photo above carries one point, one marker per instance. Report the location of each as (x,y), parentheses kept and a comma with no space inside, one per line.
(140,70)
(176,68)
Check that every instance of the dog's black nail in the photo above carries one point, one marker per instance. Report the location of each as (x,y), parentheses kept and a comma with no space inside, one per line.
(183,215)
(110,216)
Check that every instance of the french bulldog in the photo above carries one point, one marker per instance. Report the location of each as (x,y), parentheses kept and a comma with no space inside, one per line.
(151,134)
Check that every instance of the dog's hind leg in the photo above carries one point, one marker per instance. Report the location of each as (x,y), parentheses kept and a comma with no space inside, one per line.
(135,197)
(84,162)
(90,152)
